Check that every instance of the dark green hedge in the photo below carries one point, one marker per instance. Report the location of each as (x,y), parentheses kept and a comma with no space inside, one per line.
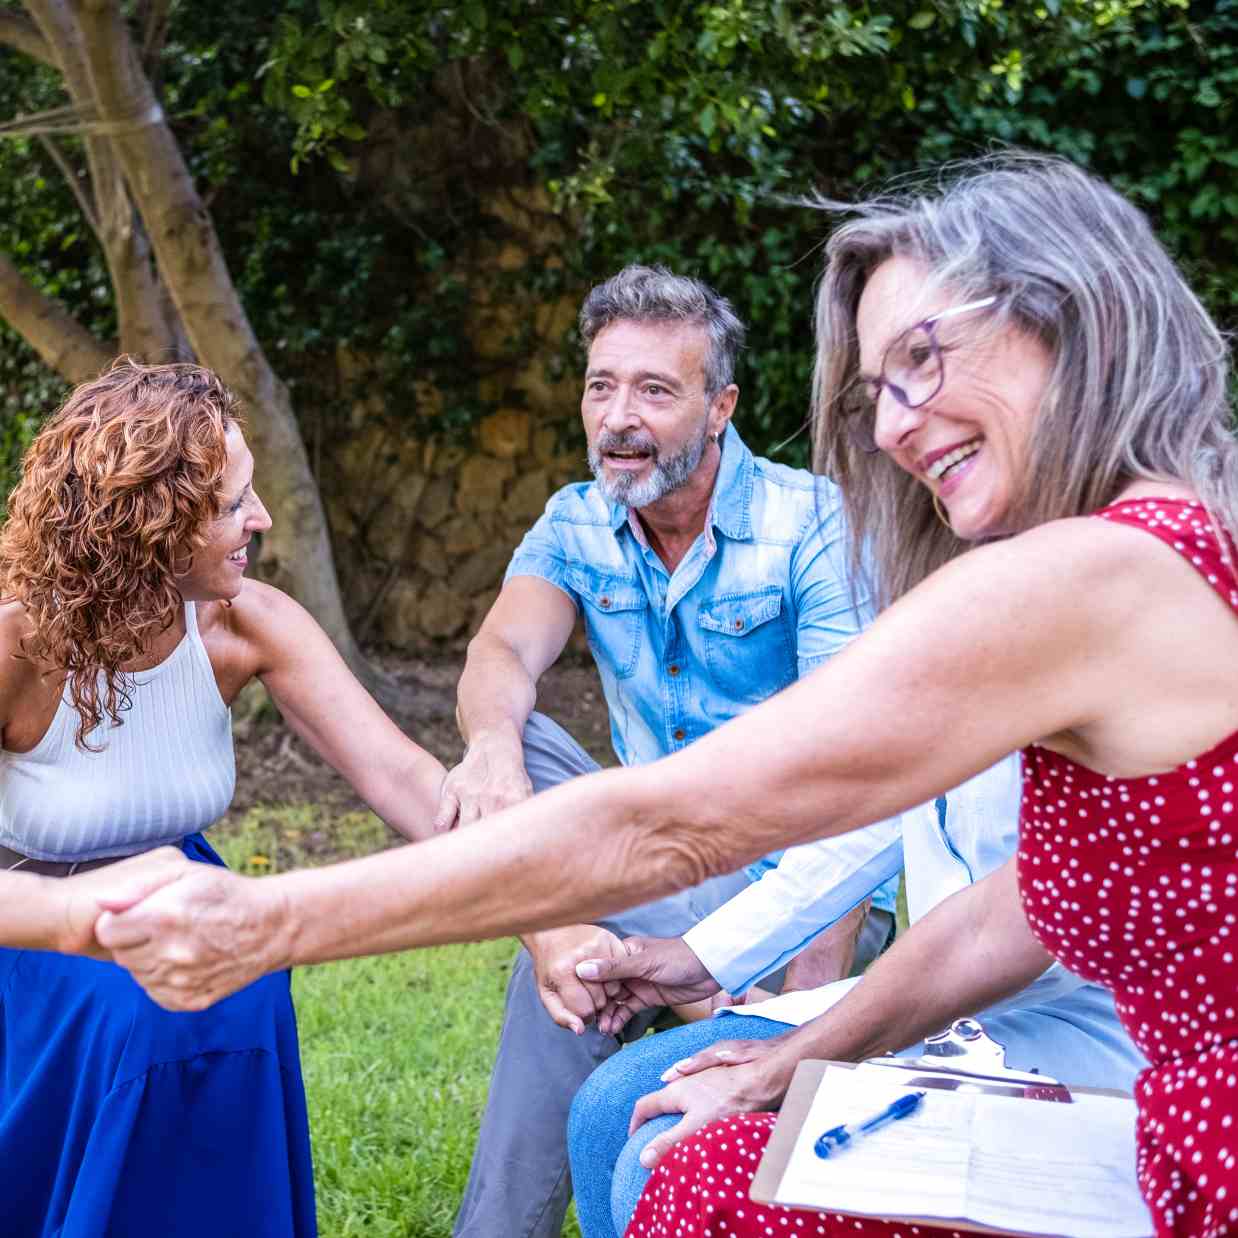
(655,130)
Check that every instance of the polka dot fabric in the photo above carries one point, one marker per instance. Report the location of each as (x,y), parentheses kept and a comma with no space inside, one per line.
(1133,883)
(700,1190)
(1130,882)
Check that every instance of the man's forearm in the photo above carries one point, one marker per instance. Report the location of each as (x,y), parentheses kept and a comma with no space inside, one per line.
(494,699)
(496,693)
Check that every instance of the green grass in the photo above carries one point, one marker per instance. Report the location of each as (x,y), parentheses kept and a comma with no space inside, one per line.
(396,1049)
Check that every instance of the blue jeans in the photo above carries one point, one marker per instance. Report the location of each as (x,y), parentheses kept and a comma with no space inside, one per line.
(606,1171)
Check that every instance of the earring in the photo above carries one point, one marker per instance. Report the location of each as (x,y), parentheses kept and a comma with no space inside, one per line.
(941,514)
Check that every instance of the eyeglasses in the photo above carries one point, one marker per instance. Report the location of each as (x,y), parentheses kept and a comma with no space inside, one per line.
(913,371)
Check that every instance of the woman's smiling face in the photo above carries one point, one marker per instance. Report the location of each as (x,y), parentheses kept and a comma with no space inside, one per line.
(968,443)
(217,567)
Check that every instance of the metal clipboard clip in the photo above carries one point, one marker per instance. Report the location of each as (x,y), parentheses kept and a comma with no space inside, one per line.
(964,1058)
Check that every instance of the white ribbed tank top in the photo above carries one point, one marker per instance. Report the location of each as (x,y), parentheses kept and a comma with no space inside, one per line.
(168,771)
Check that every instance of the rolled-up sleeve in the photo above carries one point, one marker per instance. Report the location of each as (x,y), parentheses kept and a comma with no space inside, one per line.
(831,610)
(540,553)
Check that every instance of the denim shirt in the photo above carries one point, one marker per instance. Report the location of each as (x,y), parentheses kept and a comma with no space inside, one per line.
(763,595)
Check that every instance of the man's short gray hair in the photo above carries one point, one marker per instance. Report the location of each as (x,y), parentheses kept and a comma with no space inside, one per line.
(654,294)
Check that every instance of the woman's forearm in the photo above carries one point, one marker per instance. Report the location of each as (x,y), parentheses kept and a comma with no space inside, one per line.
(778,775)
(32,915)
(407,798)
(491,880)
(848,745)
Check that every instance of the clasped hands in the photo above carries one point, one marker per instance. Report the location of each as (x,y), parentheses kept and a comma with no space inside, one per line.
(585,972)
(189,933)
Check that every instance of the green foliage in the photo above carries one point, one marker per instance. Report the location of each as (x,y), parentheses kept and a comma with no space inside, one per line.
(360,158)
(677,130)
(27,392)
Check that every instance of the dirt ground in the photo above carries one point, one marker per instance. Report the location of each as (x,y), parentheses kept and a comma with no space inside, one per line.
(274,767)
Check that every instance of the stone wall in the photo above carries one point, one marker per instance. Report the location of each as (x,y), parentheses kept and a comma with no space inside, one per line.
(424,530)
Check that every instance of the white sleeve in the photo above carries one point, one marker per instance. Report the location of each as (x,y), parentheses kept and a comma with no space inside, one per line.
(814,885)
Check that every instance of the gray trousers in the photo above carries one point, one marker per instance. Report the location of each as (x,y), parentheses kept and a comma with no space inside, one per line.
(519,1183)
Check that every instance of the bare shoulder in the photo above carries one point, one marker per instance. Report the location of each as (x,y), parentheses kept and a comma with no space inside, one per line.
(259,605)
(253,632)
(1117,560)
(1060,588)
(15,626)
(1068,560)
(16,672)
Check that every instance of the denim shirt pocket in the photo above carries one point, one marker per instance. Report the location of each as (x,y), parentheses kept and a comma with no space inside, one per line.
(613,611)
(749,648)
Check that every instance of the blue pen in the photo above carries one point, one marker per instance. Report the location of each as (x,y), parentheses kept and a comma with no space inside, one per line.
(837,1138)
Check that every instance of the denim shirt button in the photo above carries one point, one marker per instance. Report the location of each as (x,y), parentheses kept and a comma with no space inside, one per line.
(604,603)
(679,733)
(674,670)
(739,625)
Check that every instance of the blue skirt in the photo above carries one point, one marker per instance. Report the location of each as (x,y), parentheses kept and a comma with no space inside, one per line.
(122,1120)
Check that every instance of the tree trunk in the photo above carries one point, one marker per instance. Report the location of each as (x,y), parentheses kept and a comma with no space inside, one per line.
(92,45)
(65,347)
(144,328)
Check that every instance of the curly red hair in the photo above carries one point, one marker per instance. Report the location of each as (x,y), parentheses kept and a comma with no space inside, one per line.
(116,492)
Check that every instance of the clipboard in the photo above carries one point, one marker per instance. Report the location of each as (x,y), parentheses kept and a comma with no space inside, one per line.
(963,1057)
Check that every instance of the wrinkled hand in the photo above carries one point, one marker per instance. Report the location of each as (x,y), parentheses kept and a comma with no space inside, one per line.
(733,1076)
(117,885)
(201,938)
(491,777)
(570,1000)
(652,971)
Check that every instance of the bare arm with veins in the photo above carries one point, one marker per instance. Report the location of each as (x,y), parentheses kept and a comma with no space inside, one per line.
(946,682)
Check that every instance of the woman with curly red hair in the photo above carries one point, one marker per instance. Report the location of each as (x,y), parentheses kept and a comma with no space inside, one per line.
(127,628)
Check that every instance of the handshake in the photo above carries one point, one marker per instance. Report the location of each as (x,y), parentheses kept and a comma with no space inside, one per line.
(189,933)
(586,974)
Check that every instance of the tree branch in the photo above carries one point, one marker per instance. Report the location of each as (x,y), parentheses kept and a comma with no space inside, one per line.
(193,267)
(144,327)
(21,33)
(69,172)
(153,18)
(63,343)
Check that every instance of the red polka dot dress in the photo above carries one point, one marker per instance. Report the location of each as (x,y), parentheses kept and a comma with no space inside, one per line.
(1129,882)
(1133,883)
(700,1190)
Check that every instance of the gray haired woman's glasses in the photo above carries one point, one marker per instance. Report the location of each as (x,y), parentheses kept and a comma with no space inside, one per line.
(913,371)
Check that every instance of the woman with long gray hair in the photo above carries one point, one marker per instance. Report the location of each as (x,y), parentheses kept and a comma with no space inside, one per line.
(1026,408)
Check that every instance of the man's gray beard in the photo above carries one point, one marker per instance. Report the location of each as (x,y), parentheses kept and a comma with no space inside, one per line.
(666,476)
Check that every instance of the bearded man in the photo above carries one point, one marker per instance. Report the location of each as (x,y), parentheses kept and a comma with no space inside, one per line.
(707,580)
